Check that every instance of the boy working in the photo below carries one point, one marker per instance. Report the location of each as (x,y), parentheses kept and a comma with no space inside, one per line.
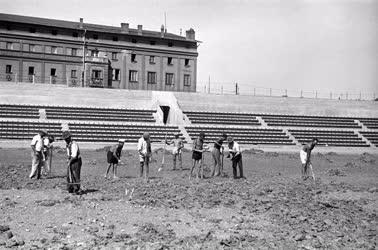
(144,149)
(114,157)
(236,158)
(305,155)
(178,144)
(198,149)
(216,153)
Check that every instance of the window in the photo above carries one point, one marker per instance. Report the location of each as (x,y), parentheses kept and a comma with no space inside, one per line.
(95,36)
(9,45)
(74,52)
(48,49)
(169,79)
(133,76)
(116,75)
(31,71)
(75,34)
(133,58)
(31,47)
(187,80)
(187,62)
(151,77)
(52,72)
(152,42)
(94,53)
(54,32)
(115,38)
(170,44)
(32,30)
(73,73)
(152,60)
(114,55)
(54,50)
(133,40)
(8,69)
(96,74)
(170,61)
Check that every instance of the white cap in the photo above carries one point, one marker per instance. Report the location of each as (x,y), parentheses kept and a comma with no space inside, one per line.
(122,140)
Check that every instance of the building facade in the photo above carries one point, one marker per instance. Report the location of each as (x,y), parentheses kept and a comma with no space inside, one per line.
(78,54)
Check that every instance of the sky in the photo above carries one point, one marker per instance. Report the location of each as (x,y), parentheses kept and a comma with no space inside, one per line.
(322,45)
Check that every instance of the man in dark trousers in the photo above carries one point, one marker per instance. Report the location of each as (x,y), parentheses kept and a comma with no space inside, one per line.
(236,157)
(144,150)
(216,153)
(74,164)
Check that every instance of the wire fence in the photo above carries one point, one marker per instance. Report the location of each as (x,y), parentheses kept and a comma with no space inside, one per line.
(250,90)
(212,88)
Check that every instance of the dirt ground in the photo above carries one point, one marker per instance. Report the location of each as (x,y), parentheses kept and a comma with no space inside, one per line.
(272,209)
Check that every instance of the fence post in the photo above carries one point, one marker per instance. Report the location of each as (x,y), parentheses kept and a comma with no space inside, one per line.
(15,78)
(33,76)
(50,79)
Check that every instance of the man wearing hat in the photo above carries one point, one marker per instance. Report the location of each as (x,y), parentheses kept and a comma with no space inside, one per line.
(74,164)
(144,150)
(114,157)
(37,158)
(178,144)
(216,153)
(236,158)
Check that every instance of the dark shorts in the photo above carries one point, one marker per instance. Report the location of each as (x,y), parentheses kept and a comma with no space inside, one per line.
(197,156)
(111,158)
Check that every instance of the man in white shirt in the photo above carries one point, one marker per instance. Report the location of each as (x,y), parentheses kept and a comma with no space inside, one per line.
(236,158)
(74,164)
(144,150)
(37,158)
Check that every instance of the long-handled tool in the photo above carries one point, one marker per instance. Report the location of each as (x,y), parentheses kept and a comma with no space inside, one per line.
(312,172)
(163,159)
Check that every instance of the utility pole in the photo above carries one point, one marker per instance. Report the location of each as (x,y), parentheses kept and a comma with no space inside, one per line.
(208,89)
(84,75)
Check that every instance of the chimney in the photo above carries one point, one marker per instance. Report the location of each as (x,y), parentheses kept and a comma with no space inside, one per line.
(81,23)
(162,31)
(125,28)
(140,29)
(190,34)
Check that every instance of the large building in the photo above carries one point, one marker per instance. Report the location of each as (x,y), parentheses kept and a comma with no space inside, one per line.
(52,51)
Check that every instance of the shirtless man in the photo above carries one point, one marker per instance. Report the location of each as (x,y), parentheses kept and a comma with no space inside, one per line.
(178,145)
(305,155)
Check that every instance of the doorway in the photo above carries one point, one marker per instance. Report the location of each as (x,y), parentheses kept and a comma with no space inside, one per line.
(165,110)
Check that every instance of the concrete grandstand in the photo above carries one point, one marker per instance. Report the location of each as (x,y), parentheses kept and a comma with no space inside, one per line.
(100,116)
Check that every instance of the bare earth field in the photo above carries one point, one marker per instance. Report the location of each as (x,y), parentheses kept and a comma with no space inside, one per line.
(272,209)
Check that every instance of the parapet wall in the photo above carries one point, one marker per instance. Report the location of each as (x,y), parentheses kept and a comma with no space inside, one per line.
(44,94)
(276,105)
